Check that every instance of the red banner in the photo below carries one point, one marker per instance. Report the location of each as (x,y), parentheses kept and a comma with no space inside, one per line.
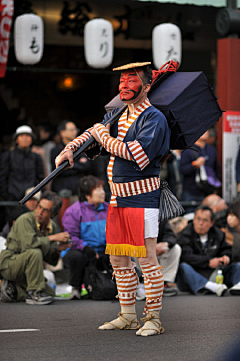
(6,13)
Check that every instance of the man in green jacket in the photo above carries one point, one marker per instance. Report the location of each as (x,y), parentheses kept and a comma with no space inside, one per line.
(31,241)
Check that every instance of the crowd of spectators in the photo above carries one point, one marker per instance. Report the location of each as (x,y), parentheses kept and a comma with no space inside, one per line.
(191,248)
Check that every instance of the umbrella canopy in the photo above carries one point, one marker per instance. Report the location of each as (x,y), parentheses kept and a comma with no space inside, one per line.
(187,101)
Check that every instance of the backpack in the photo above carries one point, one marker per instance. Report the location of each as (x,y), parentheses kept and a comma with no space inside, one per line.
(98,280)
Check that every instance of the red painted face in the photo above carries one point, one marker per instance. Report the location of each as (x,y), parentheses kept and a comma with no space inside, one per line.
(130,85)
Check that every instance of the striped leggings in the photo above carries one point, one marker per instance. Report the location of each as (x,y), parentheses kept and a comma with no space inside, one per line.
(127,281)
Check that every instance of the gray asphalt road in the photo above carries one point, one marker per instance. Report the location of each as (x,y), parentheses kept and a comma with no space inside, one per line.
(198,328)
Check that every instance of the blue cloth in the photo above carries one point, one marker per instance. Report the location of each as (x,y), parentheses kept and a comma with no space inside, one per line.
(190,280)
(151,130)
(189,172)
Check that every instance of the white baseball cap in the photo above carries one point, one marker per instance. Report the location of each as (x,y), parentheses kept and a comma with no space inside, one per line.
(36,196)
(23,129)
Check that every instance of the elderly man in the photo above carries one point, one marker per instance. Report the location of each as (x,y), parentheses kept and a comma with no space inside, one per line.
(32,240)
(137,142)
(204,250)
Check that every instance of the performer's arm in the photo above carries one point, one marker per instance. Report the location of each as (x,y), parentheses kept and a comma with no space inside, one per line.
(152,140)
(132,151)
(67,152)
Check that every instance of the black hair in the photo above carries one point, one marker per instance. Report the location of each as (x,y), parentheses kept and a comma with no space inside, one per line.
(205,208)
(147,75)
(86,185)
(234,207)
(57,201)
(62,125)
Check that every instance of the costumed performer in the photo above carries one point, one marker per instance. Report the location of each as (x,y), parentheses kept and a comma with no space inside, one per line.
(137,142)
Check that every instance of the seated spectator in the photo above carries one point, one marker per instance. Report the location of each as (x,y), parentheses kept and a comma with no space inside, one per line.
(204,250)
(233,220)
(32,240)
(69,178)
(14,212)
(85,221)
(220,210)
(168,255)
(191,160)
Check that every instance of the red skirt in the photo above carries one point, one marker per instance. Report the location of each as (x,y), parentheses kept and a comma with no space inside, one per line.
(125,232)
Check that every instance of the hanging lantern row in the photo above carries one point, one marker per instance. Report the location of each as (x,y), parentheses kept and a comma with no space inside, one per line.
(98,42)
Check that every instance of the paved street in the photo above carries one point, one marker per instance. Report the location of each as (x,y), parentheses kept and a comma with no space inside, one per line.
(197,329)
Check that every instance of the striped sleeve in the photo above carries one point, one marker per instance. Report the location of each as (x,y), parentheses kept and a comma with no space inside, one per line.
(112,145)
(138,154)
(77,142)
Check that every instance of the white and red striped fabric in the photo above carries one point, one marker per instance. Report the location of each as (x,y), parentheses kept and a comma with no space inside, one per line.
(124,124)
(154,284)
(136,187)
(112,145)
(127,281)
(77,142)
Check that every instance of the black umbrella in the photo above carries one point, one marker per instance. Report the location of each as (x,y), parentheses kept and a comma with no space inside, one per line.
(187,101)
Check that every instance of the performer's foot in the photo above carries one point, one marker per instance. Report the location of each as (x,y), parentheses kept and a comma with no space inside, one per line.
(152,325)
(125,321)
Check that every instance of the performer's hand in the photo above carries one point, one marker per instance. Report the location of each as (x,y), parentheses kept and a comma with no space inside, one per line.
(68,155)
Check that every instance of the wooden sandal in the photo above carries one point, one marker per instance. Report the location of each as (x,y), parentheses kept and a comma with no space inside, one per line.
(131,324)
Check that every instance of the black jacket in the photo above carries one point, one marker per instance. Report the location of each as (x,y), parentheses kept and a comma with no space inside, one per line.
(19,170)
(196,255)
(166,234)
(69,178)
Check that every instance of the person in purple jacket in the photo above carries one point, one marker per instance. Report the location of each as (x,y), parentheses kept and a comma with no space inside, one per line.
(85,221)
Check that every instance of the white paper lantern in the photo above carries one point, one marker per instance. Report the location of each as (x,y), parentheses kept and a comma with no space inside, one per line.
(28,38)
(98,43)
(166,44)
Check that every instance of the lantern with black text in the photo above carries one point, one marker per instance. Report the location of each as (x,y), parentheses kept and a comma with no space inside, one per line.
(98,43)
(28,38)
(166,44)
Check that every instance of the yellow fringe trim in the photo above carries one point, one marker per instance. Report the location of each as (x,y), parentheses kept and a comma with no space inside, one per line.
(126,250)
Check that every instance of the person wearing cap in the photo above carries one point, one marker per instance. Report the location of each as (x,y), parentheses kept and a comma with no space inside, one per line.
(20,168)
(137,142)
